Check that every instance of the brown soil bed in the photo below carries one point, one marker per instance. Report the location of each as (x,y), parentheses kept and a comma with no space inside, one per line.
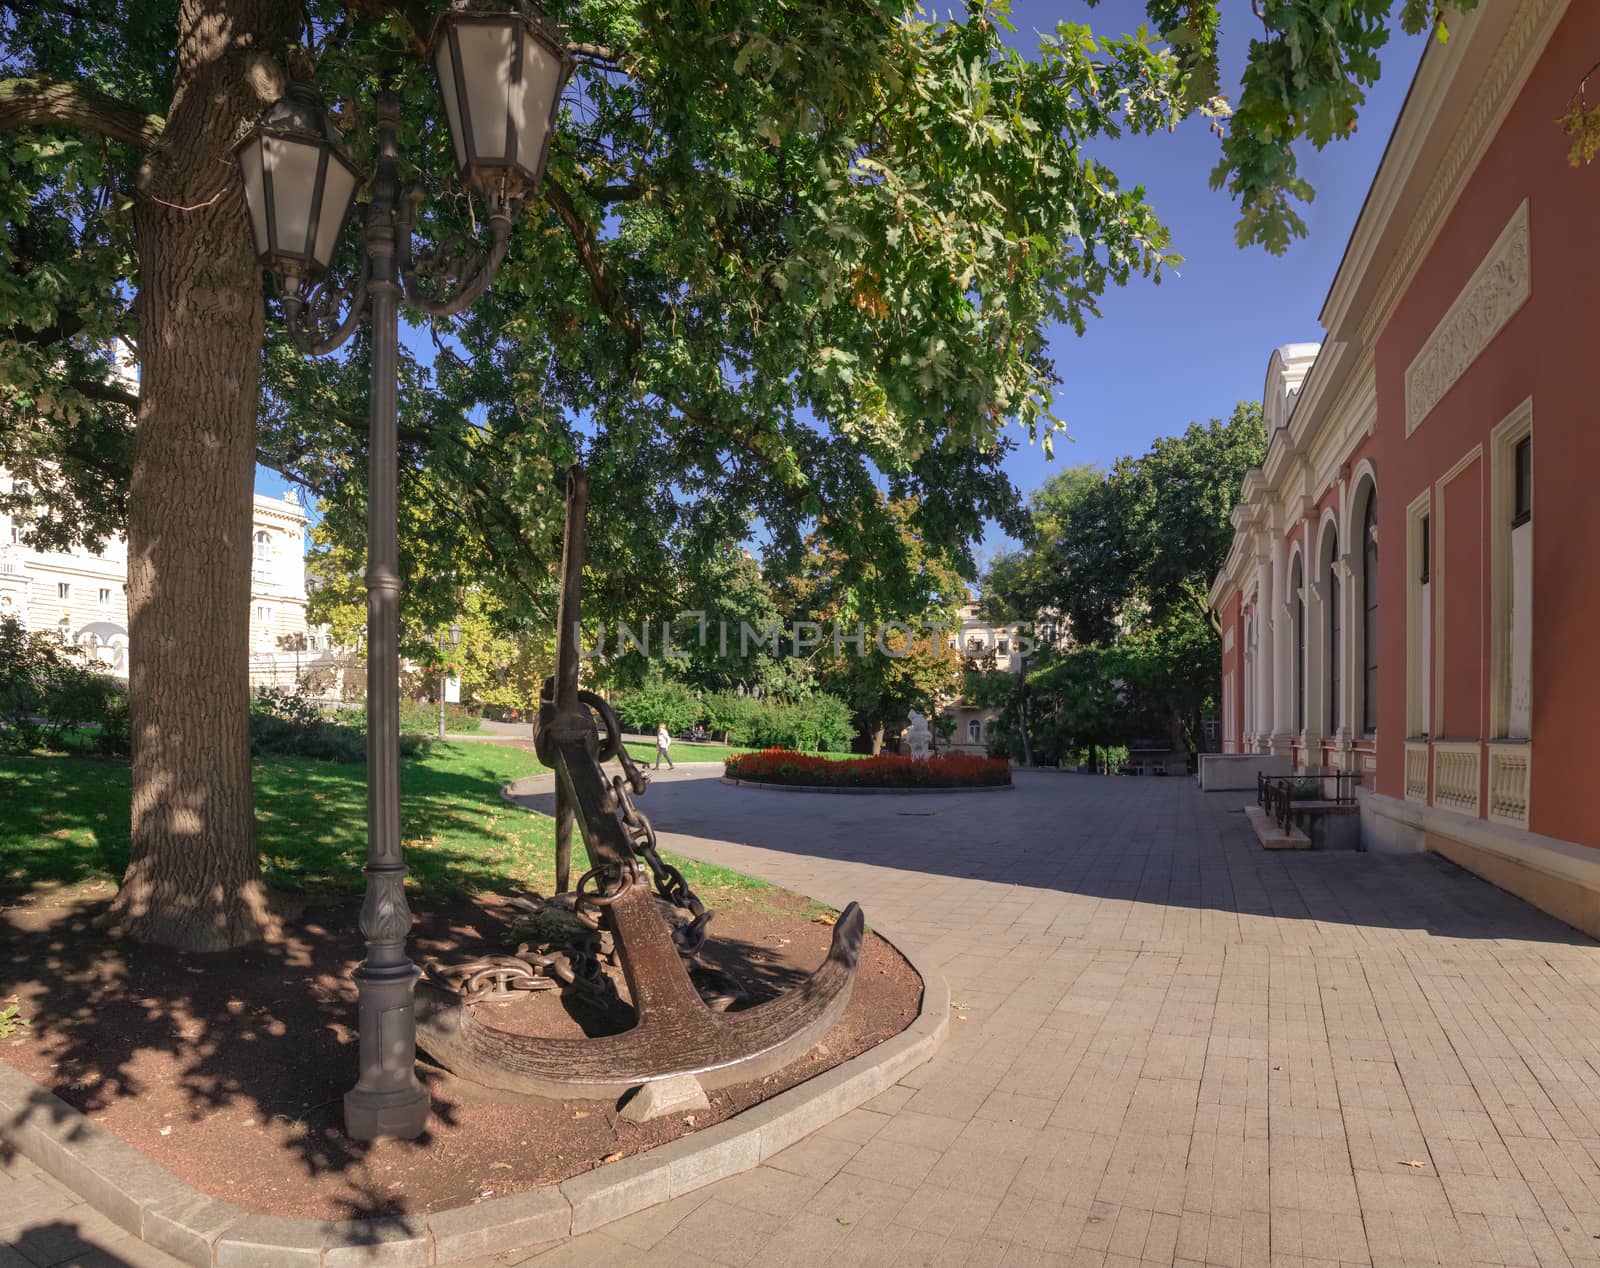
(229,1070)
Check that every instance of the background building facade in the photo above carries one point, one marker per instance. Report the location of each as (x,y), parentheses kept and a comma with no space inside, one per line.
(81,595)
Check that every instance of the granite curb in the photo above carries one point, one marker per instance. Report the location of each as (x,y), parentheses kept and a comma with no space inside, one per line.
(165,1212)
(862,792)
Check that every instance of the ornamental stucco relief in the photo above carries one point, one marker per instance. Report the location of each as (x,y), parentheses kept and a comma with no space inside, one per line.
(1499,287)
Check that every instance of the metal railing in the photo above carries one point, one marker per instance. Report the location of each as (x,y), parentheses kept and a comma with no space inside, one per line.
(1277,794)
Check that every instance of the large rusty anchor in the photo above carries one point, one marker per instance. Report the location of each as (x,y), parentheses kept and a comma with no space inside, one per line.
(676,1033)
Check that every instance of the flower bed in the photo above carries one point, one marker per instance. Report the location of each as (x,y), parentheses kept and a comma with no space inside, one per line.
(806,770)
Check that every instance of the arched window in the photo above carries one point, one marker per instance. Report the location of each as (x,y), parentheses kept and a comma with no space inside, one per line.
(974,731)
(1297,591)
(1369,604)
(263,548)
(1331,574)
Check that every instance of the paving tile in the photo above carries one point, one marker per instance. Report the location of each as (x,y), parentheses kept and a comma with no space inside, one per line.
(1175,1049)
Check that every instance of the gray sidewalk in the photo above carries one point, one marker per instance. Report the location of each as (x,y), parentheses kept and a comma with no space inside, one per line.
(1169,1047)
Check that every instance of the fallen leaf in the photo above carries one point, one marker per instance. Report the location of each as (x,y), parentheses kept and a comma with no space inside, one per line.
(612,1157)
(166,1131)
(581,1114)
(1411,1162)
(828,918)
(846,1223)
(688,1120)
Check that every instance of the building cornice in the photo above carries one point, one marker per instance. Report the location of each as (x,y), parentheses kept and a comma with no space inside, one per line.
(273,509)
(1523,32)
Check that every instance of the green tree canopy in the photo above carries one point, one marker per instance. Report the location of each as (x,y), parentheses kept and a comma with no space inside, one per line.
(794,261)
(1126,560)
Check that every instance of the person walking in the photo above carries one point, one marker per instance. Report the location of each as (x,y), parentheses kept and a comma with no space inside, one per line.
(663,743)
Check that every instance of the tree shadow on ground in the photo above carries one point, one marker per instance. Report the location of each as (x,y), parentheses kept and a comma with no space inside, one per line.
(1151,843)
(263,1035)
(61,1241)
(70,824)
(252,1050)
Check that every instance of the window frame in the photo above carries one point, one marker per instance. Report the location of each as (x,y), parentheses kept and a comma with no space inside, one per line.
(1419,617)
(1510,509)
(1369,612)
(1297,669)
(1333,628)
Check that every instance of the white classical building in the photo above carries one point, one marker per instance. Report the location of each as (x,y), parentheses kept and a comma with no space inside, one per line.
(977,640)
(82,595)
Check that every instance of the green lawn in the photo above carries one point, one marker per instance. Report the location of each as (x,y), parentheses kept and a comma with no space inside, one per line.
(66,820)
(644,751)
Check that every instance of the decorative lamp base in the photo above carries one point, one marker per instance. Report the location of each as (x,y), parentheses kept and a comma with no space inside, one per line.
(398,1115)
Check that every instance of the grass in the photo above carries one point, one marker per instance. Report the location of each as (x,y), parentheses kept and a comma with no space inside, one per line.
(66,822)
(644,752)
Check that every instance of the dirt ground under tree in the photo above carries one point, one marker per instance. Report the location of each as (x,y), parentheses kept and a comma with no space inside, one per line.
(229,1070)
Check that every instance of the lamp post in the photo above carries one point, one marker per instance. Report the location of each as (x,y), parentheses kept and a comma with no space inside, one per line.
(501,73)
(454,633)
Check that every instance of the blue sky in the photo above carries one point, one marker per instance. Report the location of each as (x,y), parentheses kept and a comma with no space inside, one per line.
(1161,356)
(1190,348)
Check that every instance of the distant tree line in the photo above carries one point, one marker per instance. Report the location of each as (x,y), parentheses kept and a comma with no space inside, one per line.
(1121,562)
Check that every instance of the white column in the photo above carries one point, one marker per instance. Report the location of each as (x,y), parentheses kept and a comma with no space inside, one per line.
(1247,724)
(1263,665)
(1273,575)
(1283,648)
(1350,600)
(1308,580)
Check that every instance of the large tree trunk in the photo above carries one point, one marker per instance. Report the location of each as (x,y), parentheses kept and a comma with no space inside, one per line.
(194,878)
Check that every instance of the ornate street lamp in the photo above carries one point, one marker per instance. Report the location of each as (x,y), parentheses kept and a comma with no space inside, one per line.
(454,633)
(501,72)
(501,75)
(299,180)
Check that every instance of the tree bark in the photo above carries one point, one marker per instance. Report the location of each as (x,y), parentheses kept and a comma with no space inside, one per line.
(51,102)
(194,878)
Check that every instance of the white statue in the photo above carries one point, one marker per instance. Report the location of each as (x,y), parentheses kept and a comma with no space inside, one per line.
(918,735)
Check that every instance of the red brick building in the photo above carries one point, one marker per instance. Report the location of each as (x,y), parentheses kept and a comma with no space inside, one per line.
(1410,590)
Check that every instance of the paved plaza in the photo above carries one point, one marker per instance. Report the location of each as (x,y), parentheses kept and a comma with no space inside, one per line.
(1167,1046)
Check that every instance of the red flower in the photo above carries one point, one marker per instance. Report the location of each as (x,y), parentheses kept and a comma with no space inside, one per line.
(887,770)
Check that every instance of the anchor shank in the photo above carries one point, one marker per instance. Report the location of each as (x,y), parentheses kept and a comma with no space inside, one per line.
(675,1033)
(571,612)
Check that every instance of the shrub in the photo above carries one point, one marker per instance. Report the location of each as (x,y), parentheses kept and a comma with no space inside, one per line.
(423,717)
(729,715)
(819,722)
(648,705)
(291,724)
(294,724)
(115,736)
(414,745)
(49,698)
(782,766)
